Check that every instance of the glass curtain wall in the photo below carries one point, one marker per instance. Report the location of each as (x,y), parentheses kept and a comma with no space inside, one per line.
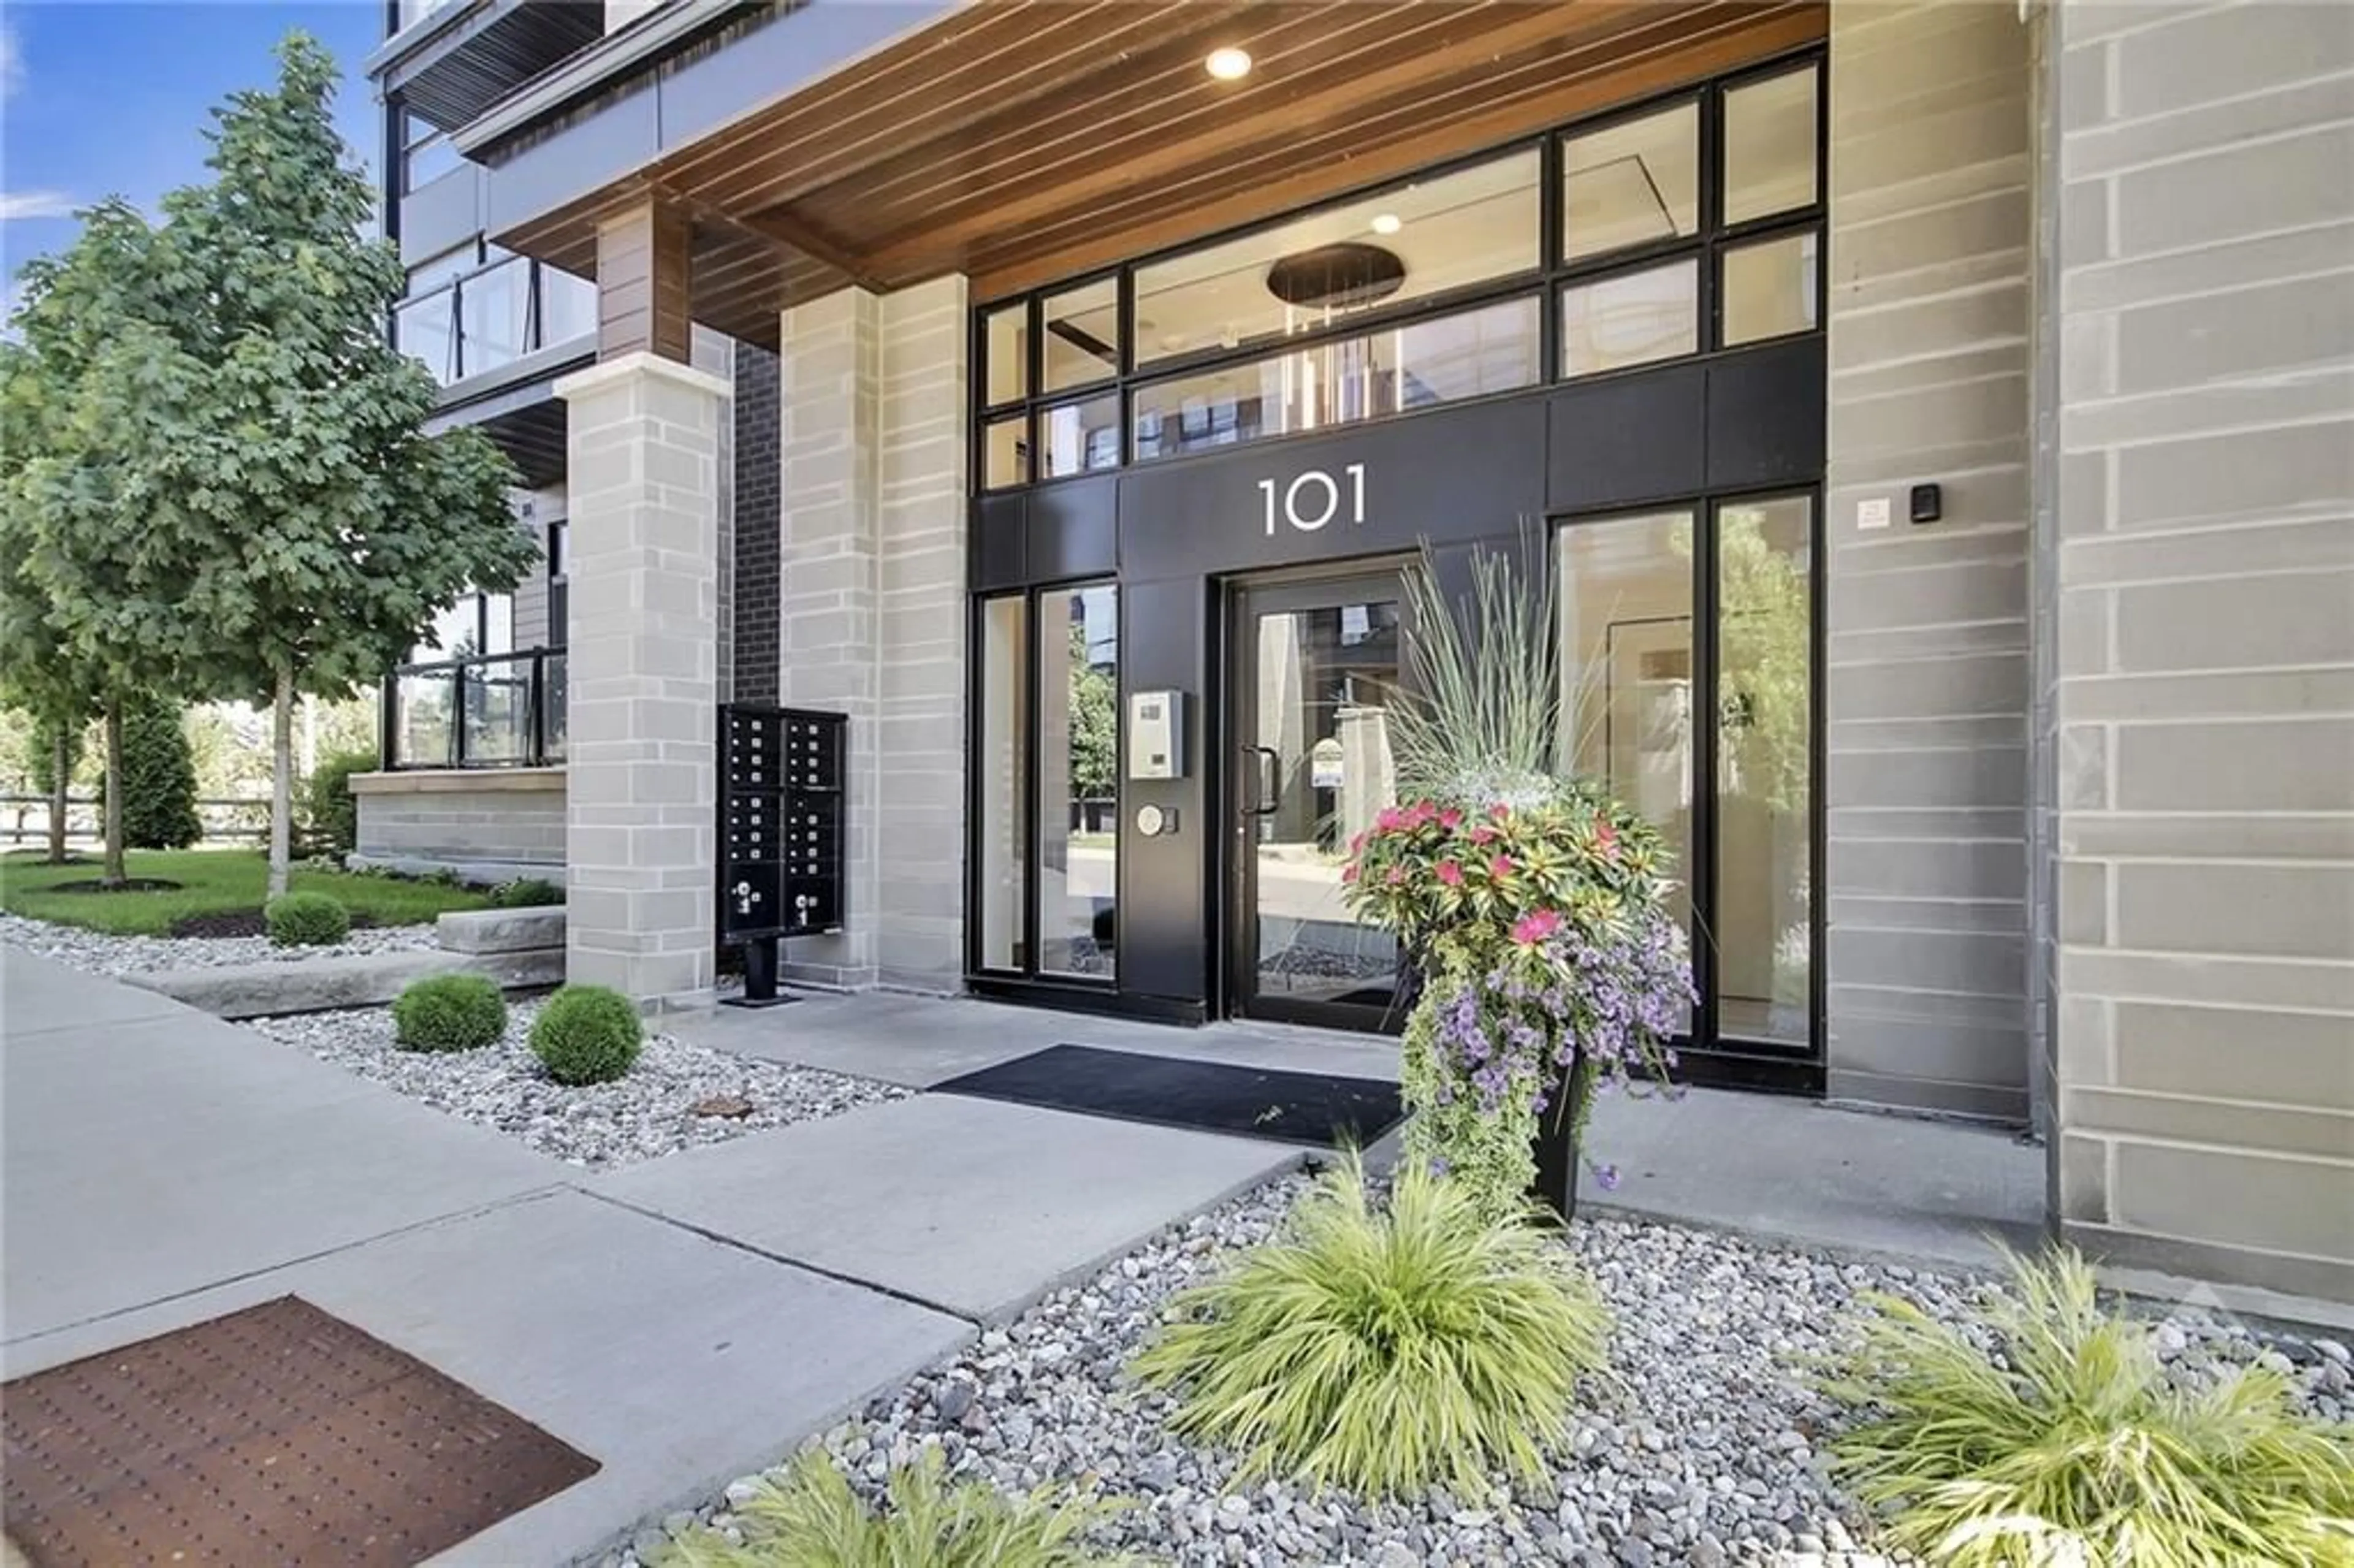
(1047,783)
(1682,226)
(1687,645)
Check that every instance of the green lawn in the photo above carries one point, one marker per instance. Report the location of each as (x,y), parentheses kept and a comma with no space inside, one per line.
(212,881)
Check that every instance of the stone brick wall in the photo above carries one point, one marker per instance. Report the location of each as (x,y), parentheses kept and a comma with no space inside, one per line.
(758,431)
(484,826)
(2204,543)
(1927,678)
(872,557)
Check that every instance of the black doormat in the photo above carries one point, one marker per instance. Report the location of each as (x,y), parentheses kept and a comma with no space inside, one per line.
(1313,1109)
(277,1433)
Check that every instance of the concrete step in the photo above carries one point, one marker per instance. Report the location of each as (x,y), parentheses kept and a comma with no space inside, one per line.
(502,931)
(362,979)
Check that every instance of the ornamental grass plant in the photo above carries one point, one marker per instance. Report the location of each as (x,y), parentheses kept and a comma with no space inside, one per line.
(2047,1433)
(813,1518)
(1384,1350)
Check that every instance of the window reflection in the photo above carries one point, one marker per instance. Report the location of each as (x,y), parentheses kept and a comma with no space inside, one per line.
(1764,745)
(1082,335)
(1078,784)
(1417,366)
(1632,183)
(1630,318)
(999,761)
(1080,437)
(1626,606)
(1769,146)
(1769,289)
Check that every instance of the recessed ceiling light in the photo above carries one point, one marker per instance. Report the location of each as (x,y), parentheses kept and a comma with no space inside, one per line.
(1387,223)
(1228,64)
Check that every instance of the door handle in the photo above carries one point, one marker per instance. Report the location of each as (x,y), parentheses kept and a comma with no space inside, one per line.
(1267,765)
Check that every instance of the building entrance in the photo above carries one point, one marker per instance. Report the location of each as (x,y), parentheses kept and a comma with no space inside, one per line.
(1316,673)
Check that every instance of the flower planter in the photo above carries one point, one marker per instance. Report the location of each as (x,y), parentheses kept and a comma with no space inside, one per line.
(1554,1148)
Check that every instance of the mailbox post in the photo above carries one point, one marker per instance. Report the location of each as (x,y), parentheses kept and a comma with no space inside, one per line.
(780,835)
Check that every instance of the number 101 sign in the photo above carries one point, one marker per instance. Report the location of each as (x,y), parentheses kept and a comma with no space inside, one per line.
(1315,498)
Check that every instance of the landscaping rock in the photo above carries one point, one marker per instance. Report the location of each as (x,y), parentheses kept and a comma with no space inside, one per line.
(123,957)
(650,1112)
(1699,1448)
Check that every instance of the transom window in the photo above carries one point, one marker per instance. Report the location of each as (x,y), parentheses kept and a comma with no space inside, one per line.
(1684,226)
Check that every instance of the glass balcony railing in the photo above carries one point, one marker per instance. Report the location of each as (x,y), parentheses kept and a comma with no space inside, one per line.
(494,317)
(504,710)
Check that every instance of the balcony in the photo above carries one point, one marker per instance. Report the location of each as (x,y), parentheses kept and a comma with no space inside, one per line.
(491,319)
(500,711)
(453,60)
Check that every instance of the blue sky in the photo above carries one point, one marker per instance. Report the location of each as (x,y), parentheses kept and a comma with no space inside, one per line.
(100,98)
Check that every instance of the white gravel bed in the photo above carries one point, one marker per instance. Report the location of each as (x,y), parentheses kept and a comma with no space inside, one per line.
(647,1114)
(109,955)
(1700,1448)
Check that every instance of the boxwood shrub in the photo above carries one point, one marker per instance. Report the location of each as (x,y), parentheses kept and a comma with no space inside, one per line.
(586,1035)
(448,1012)
(306,920)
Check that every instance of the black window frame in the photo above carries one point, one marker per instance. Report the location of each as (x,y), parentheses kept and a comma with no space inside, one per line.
(1549,280)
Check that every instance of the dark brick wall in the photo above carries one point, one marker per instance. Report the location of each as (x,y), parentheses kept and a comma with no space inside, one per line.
(757,473)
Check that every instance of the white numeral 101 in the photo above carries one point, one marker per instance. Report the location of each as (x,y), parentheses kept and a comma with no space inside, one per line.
(1313,499)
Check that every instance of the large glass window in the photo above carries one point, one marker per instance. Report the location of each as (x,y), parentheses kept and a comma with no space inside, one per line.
(1630,318)
(1412,242)
(1770,145)
(1001,766)
(1082,335)
(1765,719)
(1633,183)
(1078,438)
(1625,599)
(1418,364)
(1769,288)
(1078,780)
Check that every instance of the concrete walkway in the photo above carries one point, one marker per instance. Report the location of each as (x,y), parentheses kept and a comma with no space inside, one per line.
(683,1322)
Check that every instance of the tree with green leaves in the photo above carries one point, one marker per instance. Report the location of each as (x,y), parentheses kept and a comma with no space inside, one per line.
(91,588)
(322,528)
(159,778)
(1095,724)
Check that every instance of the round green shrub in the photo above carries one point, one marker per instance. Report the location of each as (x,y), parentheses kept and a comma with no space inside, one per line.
(306,920)
(448,1012)
(525,893)
(586,1035)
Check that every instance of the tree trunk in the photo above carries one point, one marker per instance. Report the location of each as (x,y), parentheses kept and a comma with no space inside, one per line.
(281,783)
(113,874)
(60,789)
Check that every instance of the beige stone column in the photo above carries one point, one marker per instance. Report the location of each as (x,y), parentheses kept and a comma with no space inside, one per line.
(871,613)
(641,833)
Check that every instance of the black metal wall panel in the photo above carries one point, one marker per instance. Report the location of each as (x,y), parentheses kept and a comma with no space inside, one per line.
(1073,531)
(1164,883)
(1631,438)
(1765,416)
(999,543)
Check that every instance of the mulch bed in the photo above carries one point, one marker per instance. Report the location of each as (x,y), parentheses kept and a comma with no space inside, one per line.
(128,885)
(238,923)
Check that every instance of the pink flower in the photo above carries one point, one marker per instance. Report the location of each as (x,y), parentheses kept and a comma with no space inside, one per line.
(1501,867)
(1397,875)
(1535,926)
(1483,835)
(1450,819)
(1450,873)
(1349,872)
(1422,813)
(1357,844)
(1389,817)
(1500,811)
(1606,841)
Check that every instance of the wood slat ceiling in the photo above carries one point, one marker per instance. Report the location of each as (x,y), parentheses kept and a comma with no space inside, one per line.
(1021,140)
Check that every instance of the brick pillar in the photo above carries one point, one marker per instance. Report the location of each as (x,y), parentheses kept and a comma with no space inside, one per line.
(640,835)
(872,610)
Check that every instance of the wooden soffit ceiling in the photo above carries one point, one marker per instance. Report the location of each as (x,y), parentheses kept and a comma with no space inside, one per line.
(1022,141)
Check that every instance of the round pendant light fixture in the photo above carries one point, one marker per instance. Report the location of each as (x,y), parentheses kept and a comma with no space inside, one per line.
(1337,277)
(1387,223)
(1228,64)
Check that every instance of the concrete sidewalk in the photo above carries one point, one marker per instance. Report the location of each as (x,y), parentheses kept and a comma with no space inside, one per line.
(682,1323)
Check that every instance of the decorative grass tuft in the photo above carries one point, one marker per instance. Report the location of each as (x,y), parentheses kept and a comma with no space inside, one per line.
(812,1520)
(1384,1350)
(2067,1445)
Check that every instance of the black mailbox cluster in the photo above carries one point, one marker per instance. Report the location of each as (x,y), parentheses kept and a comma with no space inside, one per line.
(781,824)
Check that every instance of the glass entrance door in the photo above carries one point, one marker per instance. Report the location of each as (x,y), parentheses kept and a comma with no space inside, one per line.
(1316,673)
